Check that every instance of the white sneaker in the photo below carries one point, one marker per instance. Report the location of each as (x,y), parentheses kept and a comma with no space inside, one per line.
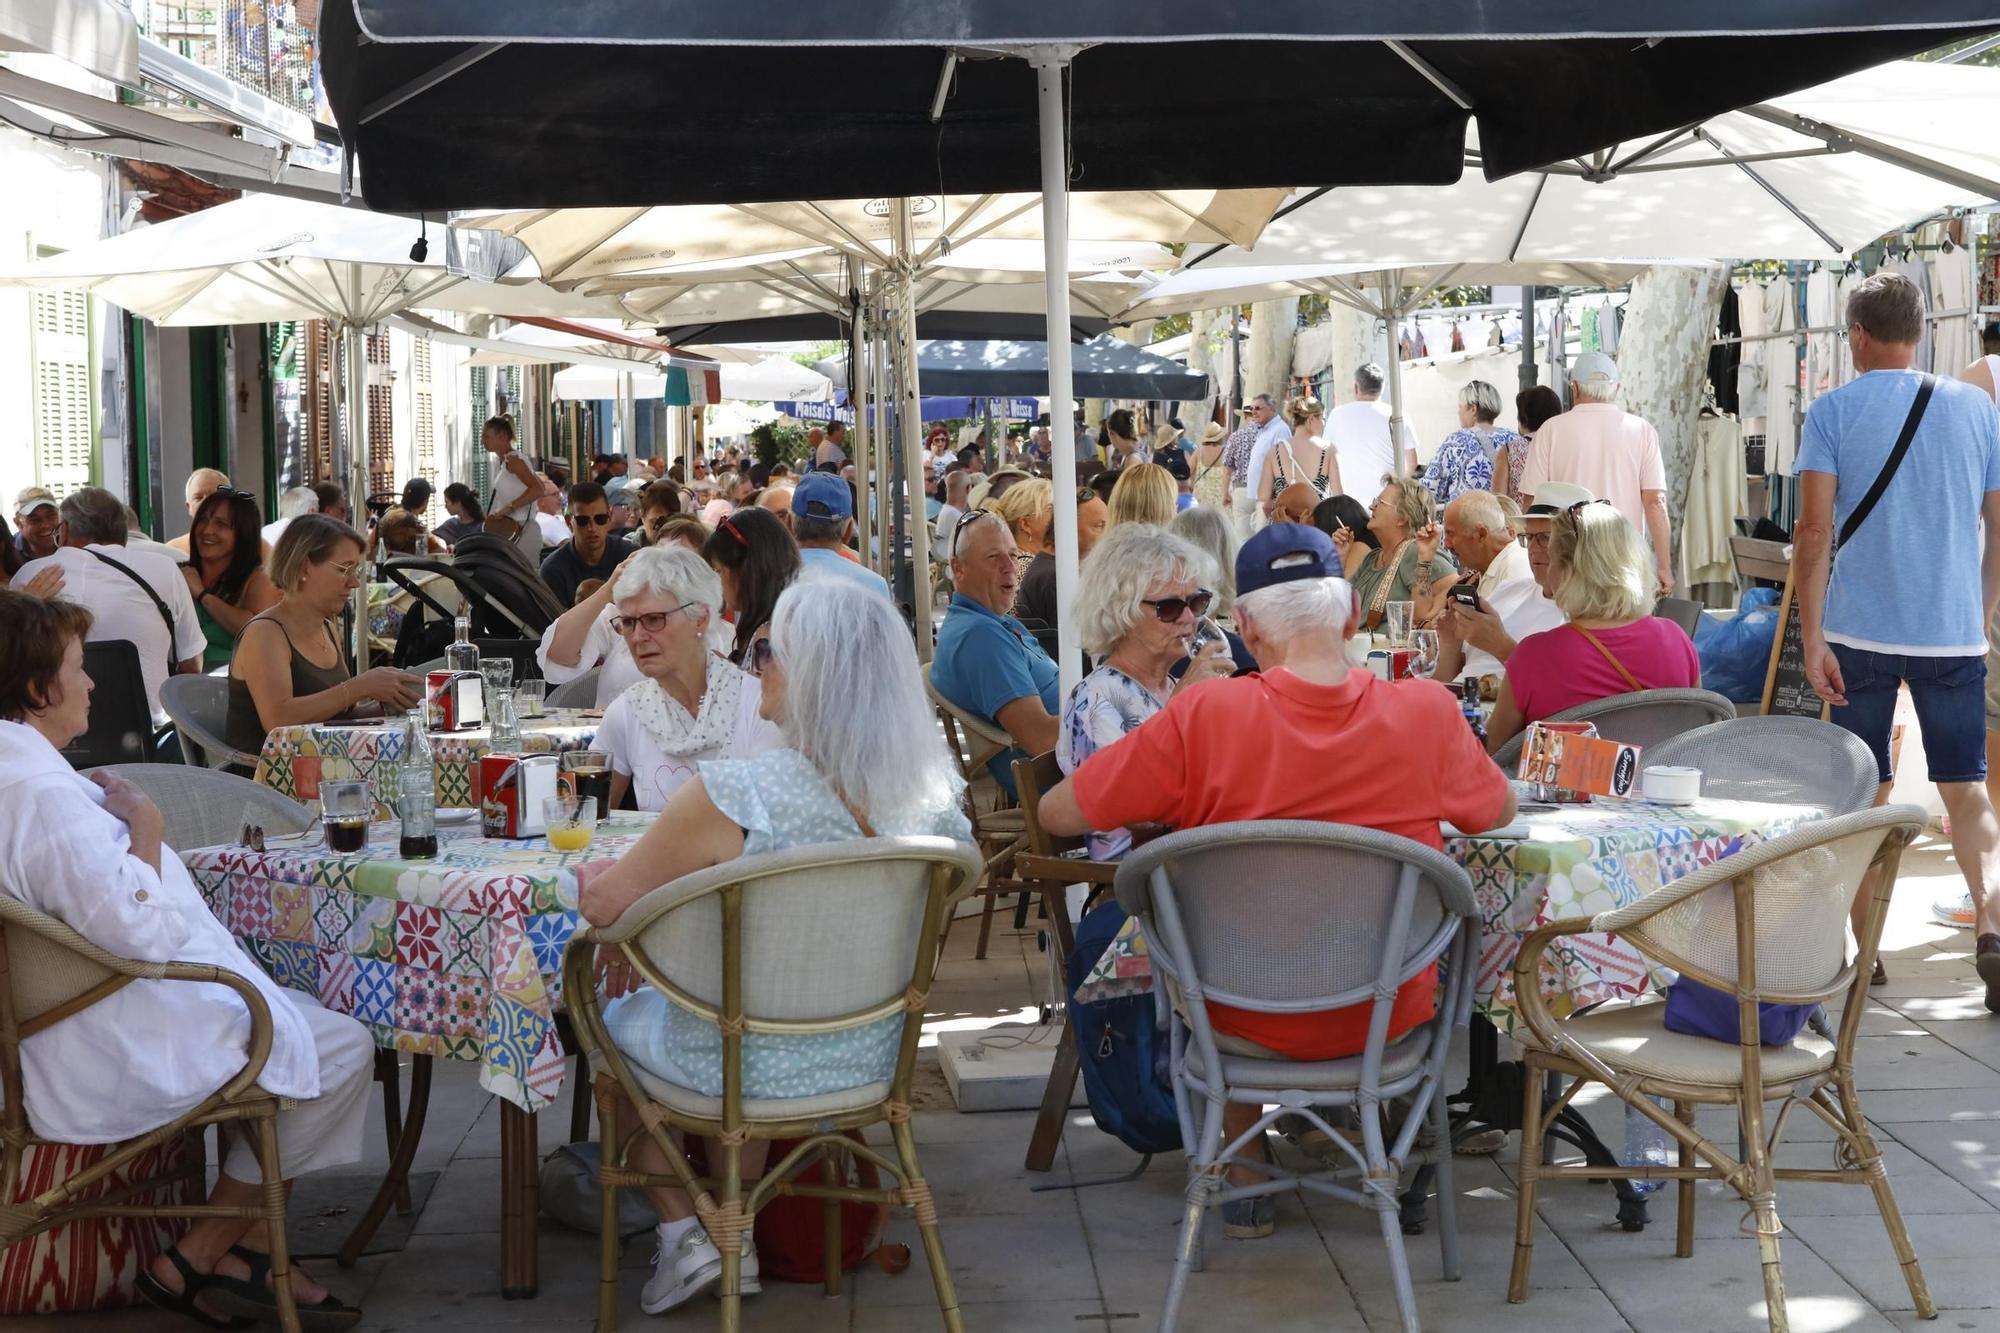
(747,1281)
(690,1267)
(1955,909)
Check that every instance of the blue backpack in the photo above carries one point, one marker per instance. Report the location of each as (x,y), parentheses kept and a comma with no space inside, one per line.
(1121,1049)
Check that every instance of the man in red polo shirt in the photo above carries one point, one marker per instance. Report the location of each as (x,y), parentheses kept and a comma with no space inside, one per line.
(1306,737)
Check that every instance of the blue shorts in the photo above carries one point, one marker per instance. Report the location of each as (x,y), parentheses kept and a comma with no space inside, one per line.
(1950,695)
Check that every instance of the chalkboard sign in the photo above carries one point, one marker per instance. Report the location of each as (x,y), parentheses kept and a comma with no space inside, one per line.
(1786,690)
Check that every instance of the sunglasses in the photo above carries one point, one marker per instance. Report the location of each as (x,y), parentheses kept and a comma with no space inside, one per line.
(958,533)
(652,621)
(1170,609)
(587,519)
(760,656)
(729,526)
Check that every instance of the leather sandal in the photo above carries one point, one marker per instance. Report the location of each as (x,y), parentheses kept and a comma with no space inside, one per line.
(182,1302)
(255,1297)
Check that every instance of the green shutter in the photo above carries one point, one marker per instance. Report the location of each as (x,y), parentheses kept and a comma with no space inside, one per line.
(482,476)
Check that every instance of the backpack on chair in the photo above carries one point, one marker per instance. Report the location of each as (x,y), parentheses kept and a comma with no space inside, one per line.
(1121,1049)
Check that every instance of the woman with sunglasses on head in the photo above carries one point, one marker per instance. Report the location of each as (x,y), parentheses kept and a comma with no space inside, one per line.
(1601,575)
(756,559)
(1141,602)
(288,669)
(690,703)
(225,571)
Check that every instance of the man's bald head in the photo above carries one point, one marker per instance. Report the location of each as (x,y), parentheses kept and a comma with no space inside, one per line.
(202,483)
(1295,504)
(777,499)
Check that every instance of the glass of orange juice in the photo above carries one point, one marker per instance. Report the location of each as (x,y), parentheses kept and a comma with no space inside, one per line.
(570,821)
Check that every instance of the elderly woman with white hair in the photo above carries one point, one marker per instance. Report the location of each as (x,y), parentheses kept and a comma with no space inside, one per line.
(1601,577)
(1140,603)
(1211,533)
(690,703)
(1474,457)
(861,758)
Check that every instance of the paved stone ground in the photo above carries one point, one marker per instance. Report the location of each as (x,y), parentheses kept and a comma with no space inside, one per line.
(1096,1261)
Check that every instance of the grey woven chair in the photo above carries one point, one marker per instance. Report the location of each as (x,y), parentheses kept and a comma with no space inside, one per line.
(199,708)
(1766,925)
(1790,760)
(1681,610)
(578,693)
(203,808)
(1641,717)
(811,940)
(1289,917)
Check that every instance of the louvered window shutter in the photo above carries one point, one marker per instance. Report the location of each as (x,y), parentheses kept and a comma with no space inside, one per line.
(64,422)
(425,414)
(482,406)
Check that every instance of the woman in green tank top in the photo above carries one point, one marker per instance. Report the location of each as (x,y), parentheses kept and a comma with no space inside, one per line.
(225,571)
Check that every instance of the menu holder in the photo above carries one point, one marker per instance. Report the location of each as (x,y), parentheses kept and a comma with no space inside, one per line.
(1556,758)
(1787,692)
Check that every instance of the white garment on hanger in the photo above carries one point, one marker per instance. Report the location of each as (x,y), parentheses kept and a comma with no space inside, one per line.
(1845,370)
(1781,379)
(1953,288)
(1822,349)
(1918,272)
(1718,491)
(1750,370)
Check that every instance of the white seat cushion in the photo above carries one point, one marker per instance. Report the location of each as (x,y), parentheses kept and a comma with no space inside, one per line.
(689,1102)
(1634,1038)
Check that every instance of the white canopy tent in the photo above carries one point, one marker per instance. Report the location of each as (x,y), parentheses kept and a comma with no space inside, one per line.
(774,379)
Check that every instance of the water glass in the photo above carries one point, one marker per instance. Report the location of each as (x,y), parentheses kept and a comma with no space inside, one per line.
(346,809)
(529,696)
(571,822)
(1425,643)
(1396,620)
(499,674)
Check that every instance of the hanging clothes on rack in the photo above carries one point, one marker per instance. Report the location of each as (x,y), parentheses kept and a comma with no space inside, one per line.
(1591,341)
(1723,358)
(1750,369)
(1609,320)
(1917,272)
(1822,349)
(1718,491)
(1844,370)
(1781,377)
(1952,288)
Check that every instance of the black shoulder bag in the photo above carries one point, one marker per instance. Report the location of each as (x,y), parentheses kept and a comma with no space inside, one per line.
(1925,385)
(168,616)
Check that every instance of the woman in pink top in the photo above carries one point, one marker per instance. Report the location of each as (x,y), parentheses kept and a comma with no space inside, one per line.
(1601,575)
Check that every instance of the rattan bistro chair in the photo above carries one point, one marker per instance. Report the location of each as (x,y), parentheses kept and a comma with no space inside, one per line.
(578,693)
(1639,717)
(1001,832)
(199,709)
(819,939)
(204,808)
(1288,917)
(1791,760)
(51,973)
(1764,925)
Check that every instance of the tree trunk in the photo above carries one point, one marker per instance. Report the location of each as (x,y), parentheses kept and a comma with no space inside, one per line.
(1267,355)
(1208,354)
(1663,363)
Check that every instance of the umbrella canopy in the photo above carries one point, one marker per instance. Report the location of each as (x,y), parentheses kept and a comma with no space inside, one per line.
(730,102)
(1411,284)
(772,379)
(268,257)
(1103,368)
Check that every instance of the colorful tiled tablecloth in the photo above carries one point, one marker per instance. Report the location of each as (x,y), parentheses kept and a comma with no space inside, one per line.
(294,758)
(1577,861)
(458,957)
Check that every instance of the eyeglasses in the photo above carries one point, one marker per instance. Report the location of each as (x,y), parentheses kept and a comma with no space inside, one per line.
(348,570)
(587,519)
(1085,494)
(759,657)
(1170,609)
(652,621)
(958,533)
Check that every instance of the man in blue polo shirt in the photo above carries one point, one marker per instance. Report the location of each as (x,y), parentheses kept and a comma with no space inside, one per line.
(822,521)
(986,662)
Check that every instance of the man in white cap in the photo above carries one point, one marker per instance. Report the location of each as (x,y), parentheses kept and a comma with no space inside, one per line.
(1605,449)
(35,523)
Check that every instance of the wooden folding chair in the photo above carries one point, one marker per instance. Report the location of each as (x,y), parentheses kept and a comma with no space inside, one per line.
(999,832)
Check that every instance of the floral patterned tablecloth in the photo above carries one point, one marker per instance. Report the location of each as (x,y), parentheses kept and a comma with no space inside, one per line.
(294,758)
(1576,861)
(458,957)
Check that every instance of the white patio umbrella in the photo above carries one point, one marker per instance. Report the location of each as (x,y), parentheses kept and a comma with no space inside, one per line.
(774,379)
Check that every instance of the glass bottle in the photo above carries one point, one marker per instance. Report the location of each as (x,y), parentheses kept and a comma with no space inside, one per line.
(416,789)
(505,724)
(462,654)
(1468,706)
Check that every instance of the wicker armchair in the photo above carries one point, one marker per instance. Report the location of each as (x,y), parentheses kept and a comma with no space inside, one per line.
(205,808)
(1000,832)
(1766,925)
(819,939)
(578,693)
(1641,717)
(52,973)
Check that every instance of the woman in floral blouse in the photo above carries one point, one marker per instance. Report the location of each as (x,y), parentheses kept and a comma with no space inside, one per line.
(1474,457)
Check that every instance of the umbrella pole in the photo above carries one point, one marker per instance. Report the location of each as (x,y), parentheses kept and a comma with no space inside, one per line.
(354,352)
(1392,284)
(628,411)
(1527,337)
(858,333)
(877,401)
(909,421)
(1050,63)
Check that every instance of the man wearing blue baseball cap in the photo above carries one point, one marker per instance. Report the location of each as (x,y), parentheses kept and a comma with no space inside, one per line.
(822,521)
(1307,736)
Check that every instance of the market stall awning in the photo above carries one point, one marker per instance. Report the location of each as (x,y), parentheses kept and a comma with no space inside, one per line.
(1103,368)
(456,103)
(98,35)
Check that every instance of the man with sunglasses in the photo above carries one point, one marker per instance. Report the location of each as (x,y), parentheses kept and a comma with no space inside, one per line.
(986,661)
(591,551)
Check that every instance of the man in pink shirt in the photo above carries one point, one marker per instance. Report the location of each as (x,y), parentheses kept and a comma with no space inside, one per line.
(1605,449)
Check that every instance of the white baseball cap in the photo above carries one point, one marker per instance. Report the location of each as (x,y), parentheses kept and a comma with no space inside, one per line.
(1595,369)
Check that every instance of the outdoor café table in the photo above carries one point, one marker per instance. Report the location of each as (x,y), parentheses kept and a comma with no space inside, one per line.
(294,758)
(459,957)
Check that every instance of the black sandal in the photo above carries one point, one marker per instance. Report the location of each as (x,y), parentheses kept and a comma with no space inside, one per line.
(254,1296)
(182,1302)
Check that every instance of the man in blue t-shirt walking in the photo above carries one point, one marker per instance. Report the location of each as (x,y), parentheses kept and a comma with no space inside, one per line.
(1908,599)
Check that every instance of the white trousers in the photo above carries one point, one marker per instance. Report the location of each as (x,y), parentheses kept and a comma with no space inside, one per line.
(326,1131)
(1249,515)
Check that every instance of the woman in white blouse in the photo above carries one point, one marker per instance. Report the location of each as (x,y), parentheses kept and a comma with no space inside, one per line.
(580,640)
(690,703)
(89,852)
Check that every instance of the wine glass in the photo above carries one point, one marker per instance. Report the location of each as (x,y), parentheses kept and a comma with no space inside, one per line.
(1425,643)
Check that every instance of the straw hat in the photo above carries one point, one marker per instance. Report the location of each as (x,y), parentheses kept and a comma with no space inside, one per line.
(1213,433)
